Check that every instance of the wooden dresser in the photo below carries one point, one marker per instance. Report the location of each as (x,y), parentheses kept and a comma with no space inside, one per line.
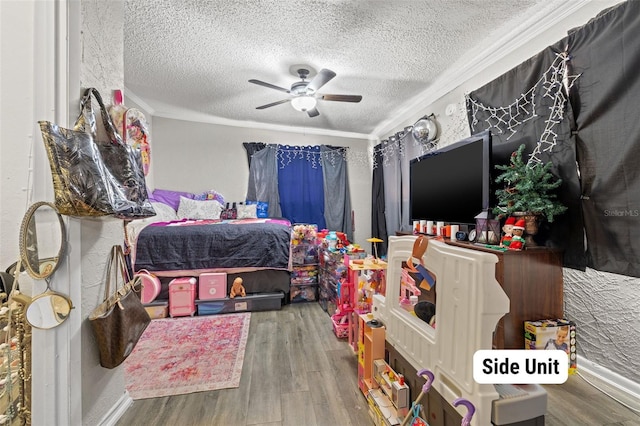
(532,279)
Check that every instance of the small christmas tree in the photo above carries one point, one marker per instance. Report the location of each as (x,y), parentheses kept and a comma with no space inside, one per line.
(528,188)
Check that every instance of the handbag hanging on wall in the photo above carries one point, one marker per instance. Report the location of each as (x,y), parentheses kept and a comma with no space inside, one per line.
(119,321)
(95,176)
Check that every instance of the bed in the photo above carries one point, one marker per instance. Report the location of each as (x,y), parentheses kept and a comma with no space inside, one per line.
(255,249)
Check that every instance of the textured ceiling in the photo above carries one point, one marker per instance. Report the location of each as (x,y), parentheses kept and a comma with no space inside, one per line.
(193,58)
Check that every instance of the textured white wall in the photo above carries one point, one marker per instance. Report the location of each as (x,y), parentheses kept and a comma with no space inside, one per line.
(102,67)
(194,157)
(25,178)
(606,307)
(16,125)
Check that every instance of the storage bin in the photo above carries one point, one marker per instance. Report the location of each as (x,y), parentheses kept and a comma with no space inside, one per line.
(303,293)
(341,330)
(253,302)
(304,275)
(212,307)
(157,309)
(304,254)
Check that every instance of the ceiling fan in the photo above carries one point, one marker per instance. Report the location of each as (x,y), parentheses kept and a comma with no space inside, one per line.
(304,92)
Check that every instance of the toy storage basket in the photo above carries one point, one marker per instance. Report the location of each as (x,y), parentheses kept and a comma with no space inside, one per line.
(341,330)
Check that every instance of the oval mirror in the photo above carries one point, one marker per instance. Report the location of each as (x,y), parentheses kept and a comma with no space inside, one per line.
(42,240)
(48,310)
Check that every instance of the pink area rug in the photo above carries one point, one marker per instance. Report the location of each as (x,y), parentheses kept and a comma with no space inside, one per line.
(183,355)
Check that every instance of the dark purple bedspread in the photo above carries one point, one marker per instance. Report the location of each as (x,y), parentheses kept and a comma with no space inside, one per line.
(260,243)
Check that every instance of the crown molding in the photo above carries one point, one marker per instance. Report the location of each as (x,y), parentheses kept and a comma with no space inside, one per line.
(211,119)
(138,100)
(534,26)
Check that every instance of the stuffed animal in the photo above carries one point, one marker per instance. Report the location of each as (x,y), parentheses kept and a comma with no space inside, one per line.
(237,289)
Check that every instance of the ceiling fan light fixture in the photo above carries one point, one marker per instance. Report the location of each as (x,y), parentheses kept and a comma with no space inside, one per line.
(304,94)
(303,103)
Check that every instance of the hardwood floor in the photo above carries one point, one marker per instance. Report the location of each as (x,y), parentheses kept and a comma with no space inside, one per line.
(296,372)
(576,402)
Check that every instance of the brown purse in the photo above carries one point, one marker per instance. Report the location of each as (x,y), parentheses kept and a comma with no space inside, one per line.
(119,321)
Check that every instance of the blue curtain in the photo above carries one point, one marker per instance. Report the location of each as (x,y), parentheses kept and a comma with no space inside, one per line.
(300,184)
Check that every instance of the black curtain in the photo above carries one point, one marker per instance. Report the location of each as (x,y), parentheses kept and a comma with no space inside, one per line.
(566,232)
(606,105)
(252,148)
(378,220)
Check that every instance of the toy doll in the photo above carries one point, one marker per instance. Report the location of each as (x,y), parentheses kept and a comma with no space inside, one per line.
(517,241)
(508,231)
(237,289)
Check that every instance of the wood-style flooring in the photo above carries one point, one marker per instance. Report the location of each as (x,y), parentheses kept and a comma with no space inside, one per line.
(296,372)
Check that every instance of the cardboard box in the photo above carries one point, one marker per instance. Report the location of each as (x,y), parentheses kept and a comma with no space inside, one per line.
(553,334)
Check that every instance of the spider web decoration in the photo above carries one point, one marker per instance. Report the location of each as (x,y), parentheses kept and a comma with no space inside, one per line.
(554,84)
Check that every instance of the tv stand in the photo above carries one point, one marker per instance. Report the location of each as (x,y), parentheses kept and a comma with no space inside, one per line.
(532,279)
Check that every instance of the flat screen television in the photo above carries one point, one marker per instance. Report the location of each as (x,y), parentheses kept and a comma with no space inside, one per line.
(453,184)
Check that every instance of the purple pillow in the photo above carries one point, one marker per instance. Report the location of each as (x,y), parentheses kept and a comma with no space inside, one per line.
(170,198)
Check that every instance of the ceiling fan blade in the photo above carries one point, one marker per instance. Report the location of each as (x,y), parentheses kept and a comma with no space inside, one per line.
(313,112)
(342,98)
(269,85)
(273,104)
(320,79)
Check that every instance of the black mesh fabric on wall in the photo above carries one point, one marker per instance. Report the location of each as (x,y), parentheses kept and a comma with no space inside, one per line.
(606,104)
(566,232)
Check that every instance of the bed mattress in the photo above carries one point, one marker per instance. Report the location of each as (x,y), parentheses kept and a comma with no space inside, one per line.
(214,245)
